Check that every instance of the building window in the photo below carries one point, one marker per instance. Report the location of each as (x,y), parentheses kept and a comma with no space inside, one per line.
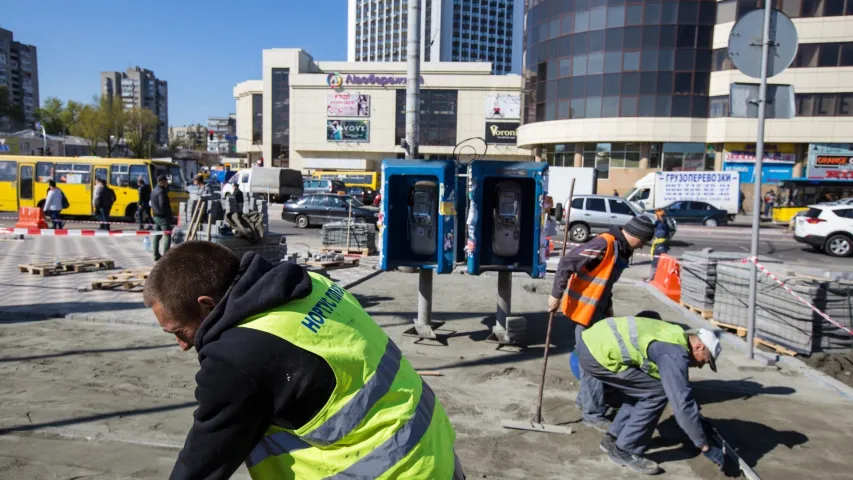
(597,155)
(625,155)
(257,118)
(684,157)
(438,117)
(280,114)
(560,155)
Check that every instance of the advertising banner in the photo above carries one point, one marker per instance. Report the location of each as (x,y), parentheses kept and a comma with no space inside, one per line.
(348,130)
(717,188)
(503,106)
(501,133)
(831,161)
(773,173)
(773,153)
(347,104)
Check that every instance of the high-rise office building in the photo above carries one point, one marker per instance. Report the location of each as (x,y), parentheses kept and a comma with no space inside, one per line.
(19,73)
(138,87)
(451,31)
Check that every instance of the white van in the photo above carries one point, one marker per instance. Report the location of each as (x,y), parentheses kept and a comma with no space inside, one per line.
(272,183)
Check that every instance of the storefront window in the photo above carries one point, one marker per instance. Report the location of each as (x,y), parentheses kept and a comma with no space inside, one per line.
(625,155)
(686,157)
(560,155)
(597,155)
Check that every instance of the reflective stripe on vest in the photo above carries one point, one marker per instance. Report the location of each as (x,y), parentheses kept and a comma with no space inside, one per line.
(381,421)
(586,289)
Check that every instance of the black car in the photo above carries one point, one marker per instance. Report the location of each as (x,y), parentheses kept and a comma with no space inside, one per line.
(688,211)
(365,194)
(319,209)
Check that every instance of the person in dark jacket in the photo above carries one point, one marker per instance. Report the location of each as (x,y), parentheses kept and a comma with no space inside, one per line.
(143,214)
(238,197)
(647,359)
(104,198)
(617,245)
(283,356)
(162,210)
(660,244)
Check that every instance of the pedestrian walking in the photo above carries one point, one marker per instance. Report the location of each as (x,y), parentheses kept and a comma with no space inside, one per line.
(103,198)
(201,187)
(769,201)
(238,197)
(741,199)
(594,267)
(143,205)
(162,210)
(296,380)
(647,360)
(54,203)
(660,244)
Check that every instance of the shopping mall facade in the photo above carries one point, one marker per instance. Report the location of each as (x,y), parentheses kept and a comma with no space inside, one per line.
(630,87)
(349,116)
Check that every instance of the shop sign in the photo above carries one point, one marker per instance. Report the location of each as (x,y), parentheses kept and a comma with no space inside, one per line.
(348,130)
(773,153)
(501,133)
(830,161)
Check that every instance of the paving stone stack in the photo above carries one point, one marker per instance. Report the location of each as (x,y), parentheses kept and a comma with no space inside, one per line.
(780,317)
(699,276)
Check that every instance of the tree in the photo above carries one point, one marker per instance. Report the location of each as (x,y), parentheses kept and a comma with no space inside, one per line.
(50,116)
(70,114)
(139,131)
(102,121)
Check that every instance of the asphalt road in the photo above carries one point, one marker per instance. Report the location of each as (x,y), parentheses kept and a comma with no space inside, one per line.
(734,239)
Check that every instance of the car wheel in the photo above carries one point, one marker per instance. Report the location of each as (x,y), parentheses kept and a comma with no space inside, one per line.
(302,221)
(579,233)
(839,246)
(711,222)
(360,220)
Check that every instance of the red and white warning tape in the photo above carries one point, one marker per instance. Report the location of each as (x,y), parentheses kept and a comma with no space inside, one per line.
(71,220)
(48,232)
(801,299)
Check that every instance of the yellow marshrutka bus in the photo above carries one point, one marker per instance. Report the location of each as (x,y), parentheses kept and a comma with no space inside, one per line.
(23,182)
(351,178)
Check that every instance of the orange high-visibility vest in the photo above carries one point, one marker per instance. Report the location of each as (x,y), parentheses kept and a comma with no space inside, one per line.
(586,289)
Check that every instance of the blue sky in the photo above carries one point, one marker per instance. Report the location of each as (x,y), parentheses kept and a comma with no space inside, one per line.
(201,48)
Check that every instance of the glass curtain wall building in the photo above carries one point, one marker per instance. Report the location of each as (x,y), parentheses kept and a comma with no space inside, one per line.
(630,87)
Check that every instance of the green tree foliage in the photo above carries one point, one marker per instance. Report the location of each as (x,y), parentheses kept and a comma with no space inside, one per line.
(140,130)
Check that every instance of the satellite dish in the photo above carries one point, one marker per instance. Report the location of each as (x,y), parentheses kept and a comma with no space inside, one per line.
(745,43)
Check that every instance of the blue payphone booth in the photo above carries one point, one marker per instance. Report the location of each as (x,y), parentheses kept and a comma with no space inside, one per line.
(505,224)
(418,214)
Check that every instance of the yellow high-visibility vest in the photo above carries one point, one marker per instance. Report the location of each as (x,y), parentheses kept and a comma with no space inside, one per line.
(382,420)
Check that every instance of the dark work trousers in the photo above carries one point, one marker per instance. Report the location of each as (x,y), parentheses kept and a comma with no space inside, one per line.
(591,391)
(645,400)
(162,224)
(103,216)
(658,249)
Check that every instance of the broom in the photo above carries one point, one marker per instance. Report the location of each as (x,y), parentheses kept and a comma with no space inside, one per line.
(536,424)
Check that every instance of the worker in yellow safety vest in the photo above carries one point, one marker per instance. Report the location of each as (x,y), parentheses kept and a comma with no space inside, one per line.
(296,379)
(660,244)
(647,360)
(589,271)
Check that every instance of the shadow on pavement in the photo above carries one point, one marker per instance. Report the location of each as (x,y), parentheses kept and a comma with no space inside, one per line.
(718,391)
(94,418)
(83,352)
(46,311)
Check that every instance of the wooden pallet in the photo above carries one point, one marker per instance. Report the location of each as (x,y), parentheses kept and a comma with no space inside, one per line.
(334,264)
(775,346)
(46,269)
(360,251)
(126,280)
(706,314)
(740,331)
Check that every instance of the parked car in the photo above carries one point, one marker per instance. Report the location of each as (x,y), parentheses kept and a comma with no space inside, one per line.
(597,213)
(319,209)
(365,194)
(325,185)
(828,228)
(689,211)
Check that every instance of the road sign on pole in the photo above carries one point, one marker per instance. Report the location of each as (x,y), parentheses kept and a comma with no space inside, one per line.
(748,51)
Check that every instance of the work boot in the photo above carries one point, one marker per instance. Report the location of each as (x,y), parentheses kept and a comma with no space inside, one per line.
(600,424)
(607,443)
(636,462)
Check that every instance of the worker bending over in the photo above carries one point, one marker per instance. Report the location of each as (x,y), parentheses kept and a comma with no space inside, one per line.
(647,360)
(593,268)
(296,379)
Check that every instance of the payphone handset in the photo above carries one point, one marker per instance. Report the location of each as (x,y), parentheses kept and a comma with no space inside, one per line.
(507,219)
(423,218)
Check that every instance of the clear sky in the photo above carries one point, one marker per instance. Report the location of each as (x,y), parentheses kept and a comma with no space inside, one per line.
(201,48)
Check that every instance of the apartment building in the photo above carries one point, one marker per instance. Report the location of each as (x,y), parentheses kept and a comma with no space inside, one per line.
(139,87)
(19,74)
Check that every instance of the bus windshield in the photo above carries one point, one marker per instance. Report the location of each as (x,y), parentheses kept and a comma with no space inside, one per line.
(173,173)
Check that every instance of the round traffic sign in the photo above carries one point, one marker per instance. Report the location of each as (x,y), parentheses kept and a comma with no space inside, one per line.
(745,43)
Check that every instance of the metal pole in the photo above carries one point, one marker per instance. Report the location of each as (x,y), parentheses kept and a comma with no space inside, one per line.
(413,76)
(756,200)
(413,90)
(504,298)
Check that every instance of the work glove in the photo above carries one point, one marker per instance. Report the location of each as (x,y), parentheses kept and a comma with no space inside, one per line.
(716,455)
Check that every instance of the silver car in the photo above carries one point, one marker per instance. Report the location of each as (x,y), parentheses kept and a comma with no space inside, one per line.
(597,213)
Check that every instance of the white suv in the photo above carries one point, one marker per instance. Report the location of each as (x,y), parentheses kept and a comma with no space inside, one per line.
(828,228)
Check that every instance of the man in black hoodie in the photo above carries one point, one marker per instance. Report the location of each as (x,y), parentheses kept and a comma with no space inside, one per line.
(162,210)
(296,379)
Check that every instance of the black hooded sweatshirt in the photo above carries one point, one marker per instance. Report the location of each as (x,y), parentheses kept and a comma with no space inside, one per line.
(250,379)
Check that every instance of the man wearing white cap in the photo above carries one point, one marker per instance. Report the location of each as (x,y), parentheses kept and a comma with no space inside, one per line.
(647,360)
